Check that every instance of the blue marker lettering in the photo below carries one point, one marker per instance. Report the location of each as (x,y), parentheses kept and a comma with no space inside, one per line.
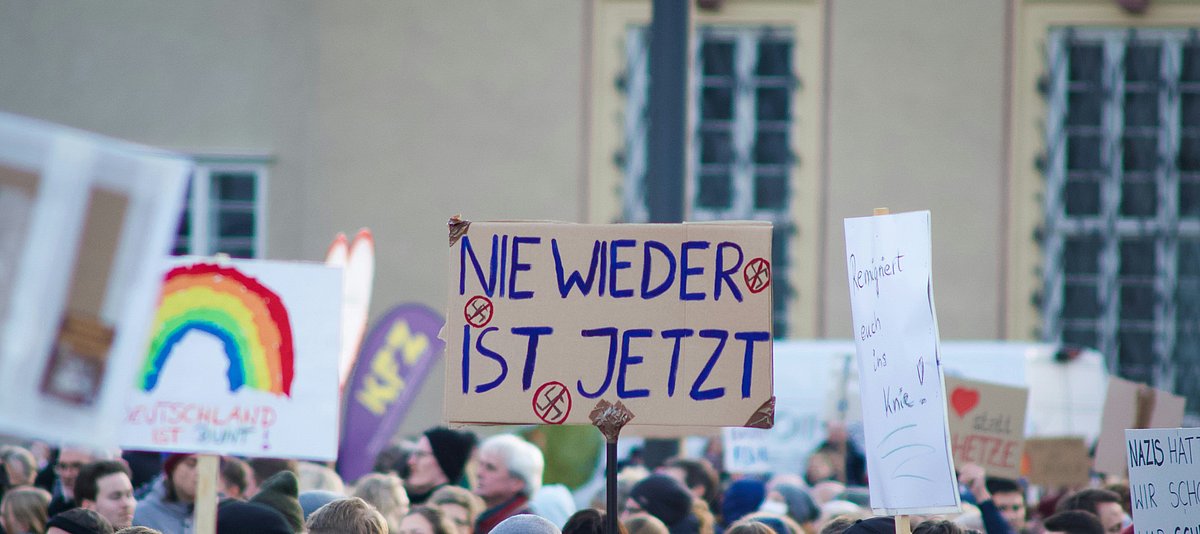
(611,332)
(615,265)
(678,334)
(517,266)
(748,359)
(575,279)
(724,274)
(648,293)
(483,388)
(685,271)
(531,352)
(628,360)
(717,392)
(464,250)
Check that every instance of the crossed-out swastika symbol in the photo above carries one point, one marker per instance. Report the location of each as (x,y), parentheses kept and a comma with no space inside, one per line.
(552,403)
(478,311)
(757,275)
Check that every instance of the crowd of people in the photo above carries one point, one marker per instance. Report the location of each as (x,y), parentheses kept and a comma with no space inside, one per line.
(450,482)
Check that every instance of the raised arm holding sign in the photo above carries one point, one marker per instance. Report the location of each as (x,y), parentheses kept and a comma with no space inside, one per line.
(889,264)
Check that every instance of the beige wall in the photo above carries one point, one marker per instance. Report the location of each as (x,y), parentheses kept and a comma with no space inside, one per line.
(395,115)
(916,122)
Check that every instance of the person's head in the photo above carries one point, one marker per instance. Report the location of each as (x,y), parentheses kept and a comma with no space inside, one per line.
(394,459)
(138,530)
(460,506)
(440,458)
(779,523)
(20,465)
(872,525)
(1103,503)
(741,498)
(644,523)
(508,466)
(264,468)
(235,478)
(351,515)
(526,524)
(697,475)
(588,521)
(1010,499)
(281,493)
(837,525)
(792,501)
(750,527)
(106,488)
(311,500)
(70,461)
(319,477)
(180,470)
(820,467)
(78,521)
(242,517)
(1121,488)
(24,510)
(426,520)
(660,496)
(386,493)
(1073,522)
(937,526)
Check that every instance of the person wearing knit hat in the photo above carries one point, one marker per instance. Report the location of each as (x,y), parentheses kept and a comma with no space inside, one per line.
(793,501)
(78,521)
(440,458)
(666,499)
(526,524)
(281,492)
(240,517)
(168,506)
(742,497)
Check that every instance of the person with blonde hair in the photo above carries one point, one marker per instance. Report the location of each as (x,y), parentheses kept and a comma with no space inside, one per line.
(351,515)
(460,506)
(644,523)
(423,519)
(386,493)
(23,510)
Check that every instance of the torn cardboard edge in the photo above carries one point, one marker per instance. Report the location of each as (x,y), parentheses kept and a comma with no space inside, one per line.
(458,227)
(610,418)
(764,416)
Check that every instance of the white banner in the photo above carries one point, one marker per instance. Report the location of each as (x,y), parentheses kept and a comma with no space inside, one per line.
(889,263)
(1164,479)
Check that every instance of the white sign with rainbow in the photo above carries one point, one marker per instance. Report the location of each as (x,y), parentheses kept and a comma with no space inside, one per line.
(242,359)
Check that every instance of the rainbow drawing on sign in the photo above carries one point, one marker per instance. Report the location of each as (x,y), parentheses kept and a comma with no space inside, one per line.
(248,318)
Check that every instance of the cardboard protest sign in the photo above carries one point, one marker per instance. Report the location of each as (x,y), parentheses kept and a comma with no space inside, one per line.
(800,414)
(1164,479)
(84,221)
(987,425)
(547,321)
(1132,405)
(395,359)
(357,261)
(242,360)
(889,264)
(1058,462)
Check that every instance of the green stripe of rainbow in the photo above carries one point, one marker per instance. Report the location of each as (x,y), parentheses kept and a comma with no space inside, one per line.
(248,318)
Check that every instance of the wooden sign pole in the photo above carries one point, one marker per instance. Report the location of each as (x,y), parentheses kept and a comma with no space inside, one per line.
(205,519)
(902,523)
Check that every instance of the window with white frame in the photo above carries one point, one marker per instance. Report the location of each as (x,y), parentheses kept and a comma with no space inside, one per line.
(742,86)
(225,211)
(1121,237)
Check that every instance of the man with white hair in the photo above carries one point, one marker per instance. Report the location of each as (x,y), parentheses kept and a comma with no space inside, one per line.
(509,472)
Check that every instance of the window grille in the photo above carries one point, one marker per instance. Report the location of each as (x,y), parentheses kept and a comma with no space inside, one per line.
(1121,240)
(224,212)
(741,95)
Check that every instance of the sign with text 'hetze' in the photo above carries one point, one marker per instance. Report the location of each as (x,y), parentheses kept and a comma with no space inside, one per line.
(547,320)
(987,425)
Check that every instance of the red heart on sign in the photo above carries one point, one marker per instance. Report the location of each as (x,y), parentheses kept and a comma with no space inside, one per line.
(964,400)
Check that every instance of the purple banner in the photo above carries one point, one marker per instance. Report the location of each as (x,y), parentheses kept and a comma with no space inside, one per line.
(392,364)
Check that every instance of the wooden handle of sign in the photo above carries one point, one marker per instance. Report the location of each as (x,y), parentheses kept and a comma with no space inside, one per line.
(205,519)
(902,526)
(881,211)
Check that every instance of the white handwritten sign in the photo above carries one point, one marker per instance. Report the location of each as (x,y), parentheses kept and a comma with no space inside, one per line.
(241,359)
(546,320)
(1164,479)
(889,263)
